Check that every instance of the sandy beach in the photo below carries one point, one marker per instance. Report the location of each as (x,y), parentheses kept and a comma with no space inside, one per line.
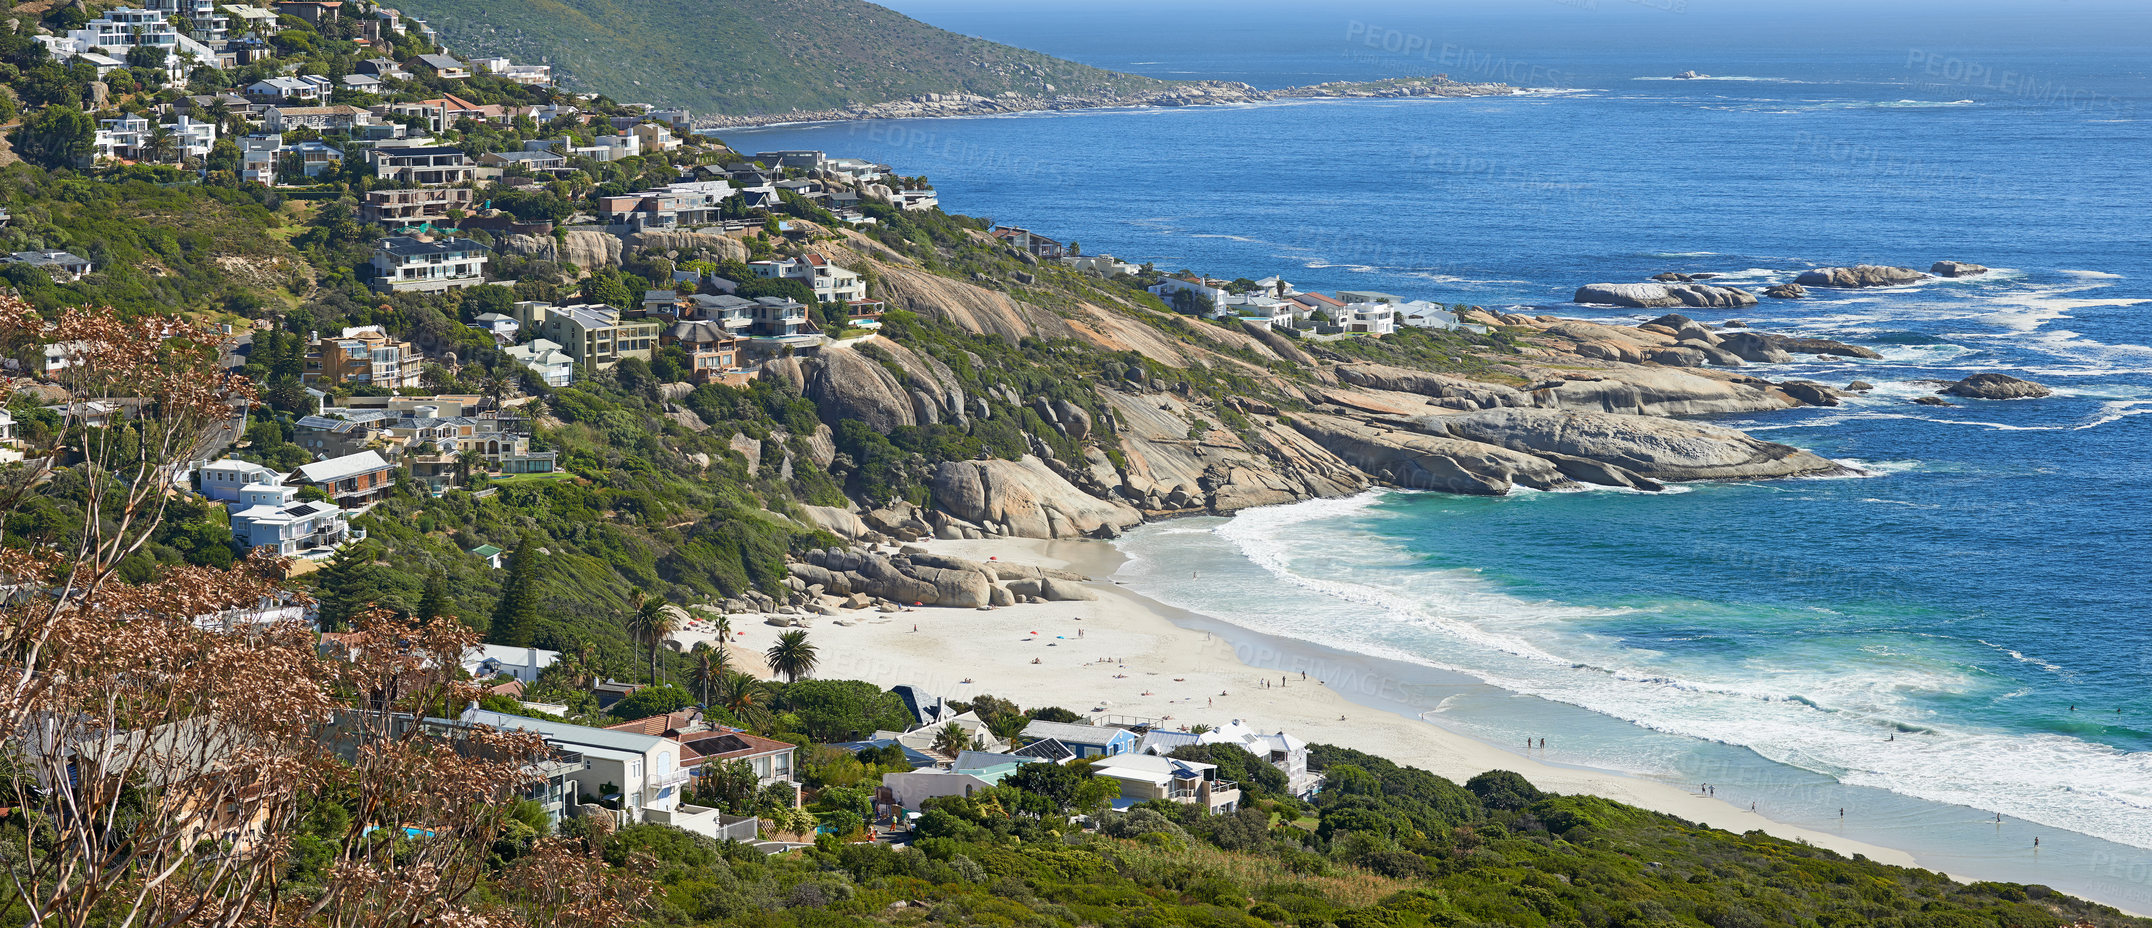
(1121,655)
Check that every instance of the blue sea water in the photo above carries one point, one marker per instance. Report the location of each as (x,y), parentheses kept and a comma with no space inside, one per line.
(1966,625)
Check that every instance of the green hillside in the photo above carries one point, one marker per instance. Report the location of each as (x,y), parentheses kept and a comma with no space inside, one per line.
(752,56)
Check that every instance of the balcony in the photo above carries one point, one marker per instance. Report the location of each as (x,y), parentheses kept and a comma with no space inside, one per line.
(674,777)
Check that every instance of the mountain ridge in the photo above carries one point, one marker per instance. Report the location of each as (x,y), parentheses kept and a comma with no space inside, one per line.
(757,57)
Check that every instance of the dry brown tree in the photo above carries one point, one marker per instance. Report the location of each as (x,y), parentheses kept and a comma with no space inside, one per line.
(158,753)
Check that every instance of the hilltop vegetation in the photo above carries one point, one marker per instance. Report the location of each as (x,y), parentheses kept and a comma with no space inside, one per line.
(754,56)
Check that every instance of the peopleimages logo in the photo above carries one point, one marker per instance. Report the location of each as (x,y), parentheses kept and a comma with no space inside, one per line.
(1455,60)
(2029,87)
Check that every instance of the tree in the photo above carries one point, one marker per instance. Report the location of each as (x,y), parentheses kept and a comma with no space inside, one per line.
(744,698)
(843,710)
(952,740)
(434,604)
(710,666)
(792,655)
(515,614)
(647,701)
(56,137)
(158,768)
(348,584)
(652,620)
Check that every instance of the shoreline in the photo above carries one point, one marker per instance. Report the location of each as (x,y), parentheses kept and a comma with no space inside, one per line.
(1170,667)
(1208,94)
(1164,670)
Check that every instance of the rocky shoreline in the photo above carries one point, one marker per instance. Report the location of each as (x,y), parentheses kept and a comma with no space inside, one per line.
(1178,94)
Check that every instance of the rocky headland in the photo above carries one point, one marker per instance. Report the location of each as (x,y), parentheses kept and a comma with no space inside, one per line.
(1178,94)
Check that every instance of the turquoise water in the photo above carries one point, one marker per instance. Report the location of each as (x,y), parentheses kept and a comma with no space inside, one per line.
(1922,632)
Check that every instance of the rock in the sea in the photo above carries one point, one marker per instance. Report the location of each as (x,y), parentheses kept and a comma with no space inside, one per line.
(1674,322)
(1646,296)
(1795,345)
(1810,393)
(1956,269)
(1930,401)
(1754,348)
(1858,276)
(1647,446)
(1786,292)
(1997,387)
(1860,386)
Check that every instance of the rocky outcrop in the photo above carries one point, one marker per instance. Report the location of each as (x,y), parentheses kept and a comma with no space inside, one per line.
(1749,346)
(1956,269)
(1654,295)
(1407,457)
(689,245)
(1454,392)
(1786,292)
(1859,276)
(1996,387)
(1654,448)
(845,384)
(838,522)
(1024,498)
(1662,391)
(1810,393)
(1824,346)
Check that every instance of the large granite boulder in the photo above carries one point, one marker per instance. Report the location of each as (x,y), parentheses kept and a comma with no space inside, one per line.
(1797,345)
(1786,291)
(848,385)
(1024,498)
(838,522)
(1859,276)
(1810,393)
(1996,387)
(1754,348)
(1654,295)
(1650,447)
(1956,269)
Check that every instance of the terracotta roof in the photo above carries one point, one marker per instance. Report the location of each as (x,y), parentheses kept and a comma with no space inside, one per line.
(658,725)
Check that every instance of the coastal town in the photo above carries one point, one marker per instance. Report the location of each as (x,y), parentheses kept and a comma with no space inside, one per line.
(434,490)
(698,266)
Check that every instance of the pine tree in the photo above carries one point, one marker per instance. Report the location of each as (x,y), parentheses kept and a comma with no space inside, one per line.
(347,584)
(515,614)
(434,604)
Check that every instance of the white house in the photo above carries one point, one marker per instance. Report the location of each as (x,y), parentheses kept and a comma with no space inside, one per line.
(274,518)
(1148,776)
(63,266)
(501,326)
(1368,318)
(10,446)
(222,480)
(1205,296)
(301,89)
(487,661)
(547,359)
(1282,751)
(831,284)
(642,773)
(1426,315)
(406,263)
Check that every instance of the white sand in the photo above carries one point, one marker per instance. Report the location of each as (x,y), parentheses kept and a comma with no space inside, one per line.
(1058,654)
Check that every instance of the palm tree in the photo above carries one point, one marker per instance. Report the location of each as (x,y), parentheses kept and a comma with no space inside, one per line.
(653,621)
(162,146)
(952,740)
(746,698)
(792,655)
(711,665)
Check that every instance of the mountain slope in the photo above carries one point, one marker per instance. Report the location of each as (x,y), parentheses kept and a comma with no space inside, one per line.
(753,56)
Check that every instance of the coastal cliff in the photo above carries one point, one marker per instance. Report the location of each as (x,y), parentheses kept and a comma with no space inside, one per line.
(1213,418)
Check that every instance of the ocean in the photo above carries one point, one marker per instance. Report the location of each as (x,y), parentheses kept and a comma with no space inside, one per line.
(1958,634)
